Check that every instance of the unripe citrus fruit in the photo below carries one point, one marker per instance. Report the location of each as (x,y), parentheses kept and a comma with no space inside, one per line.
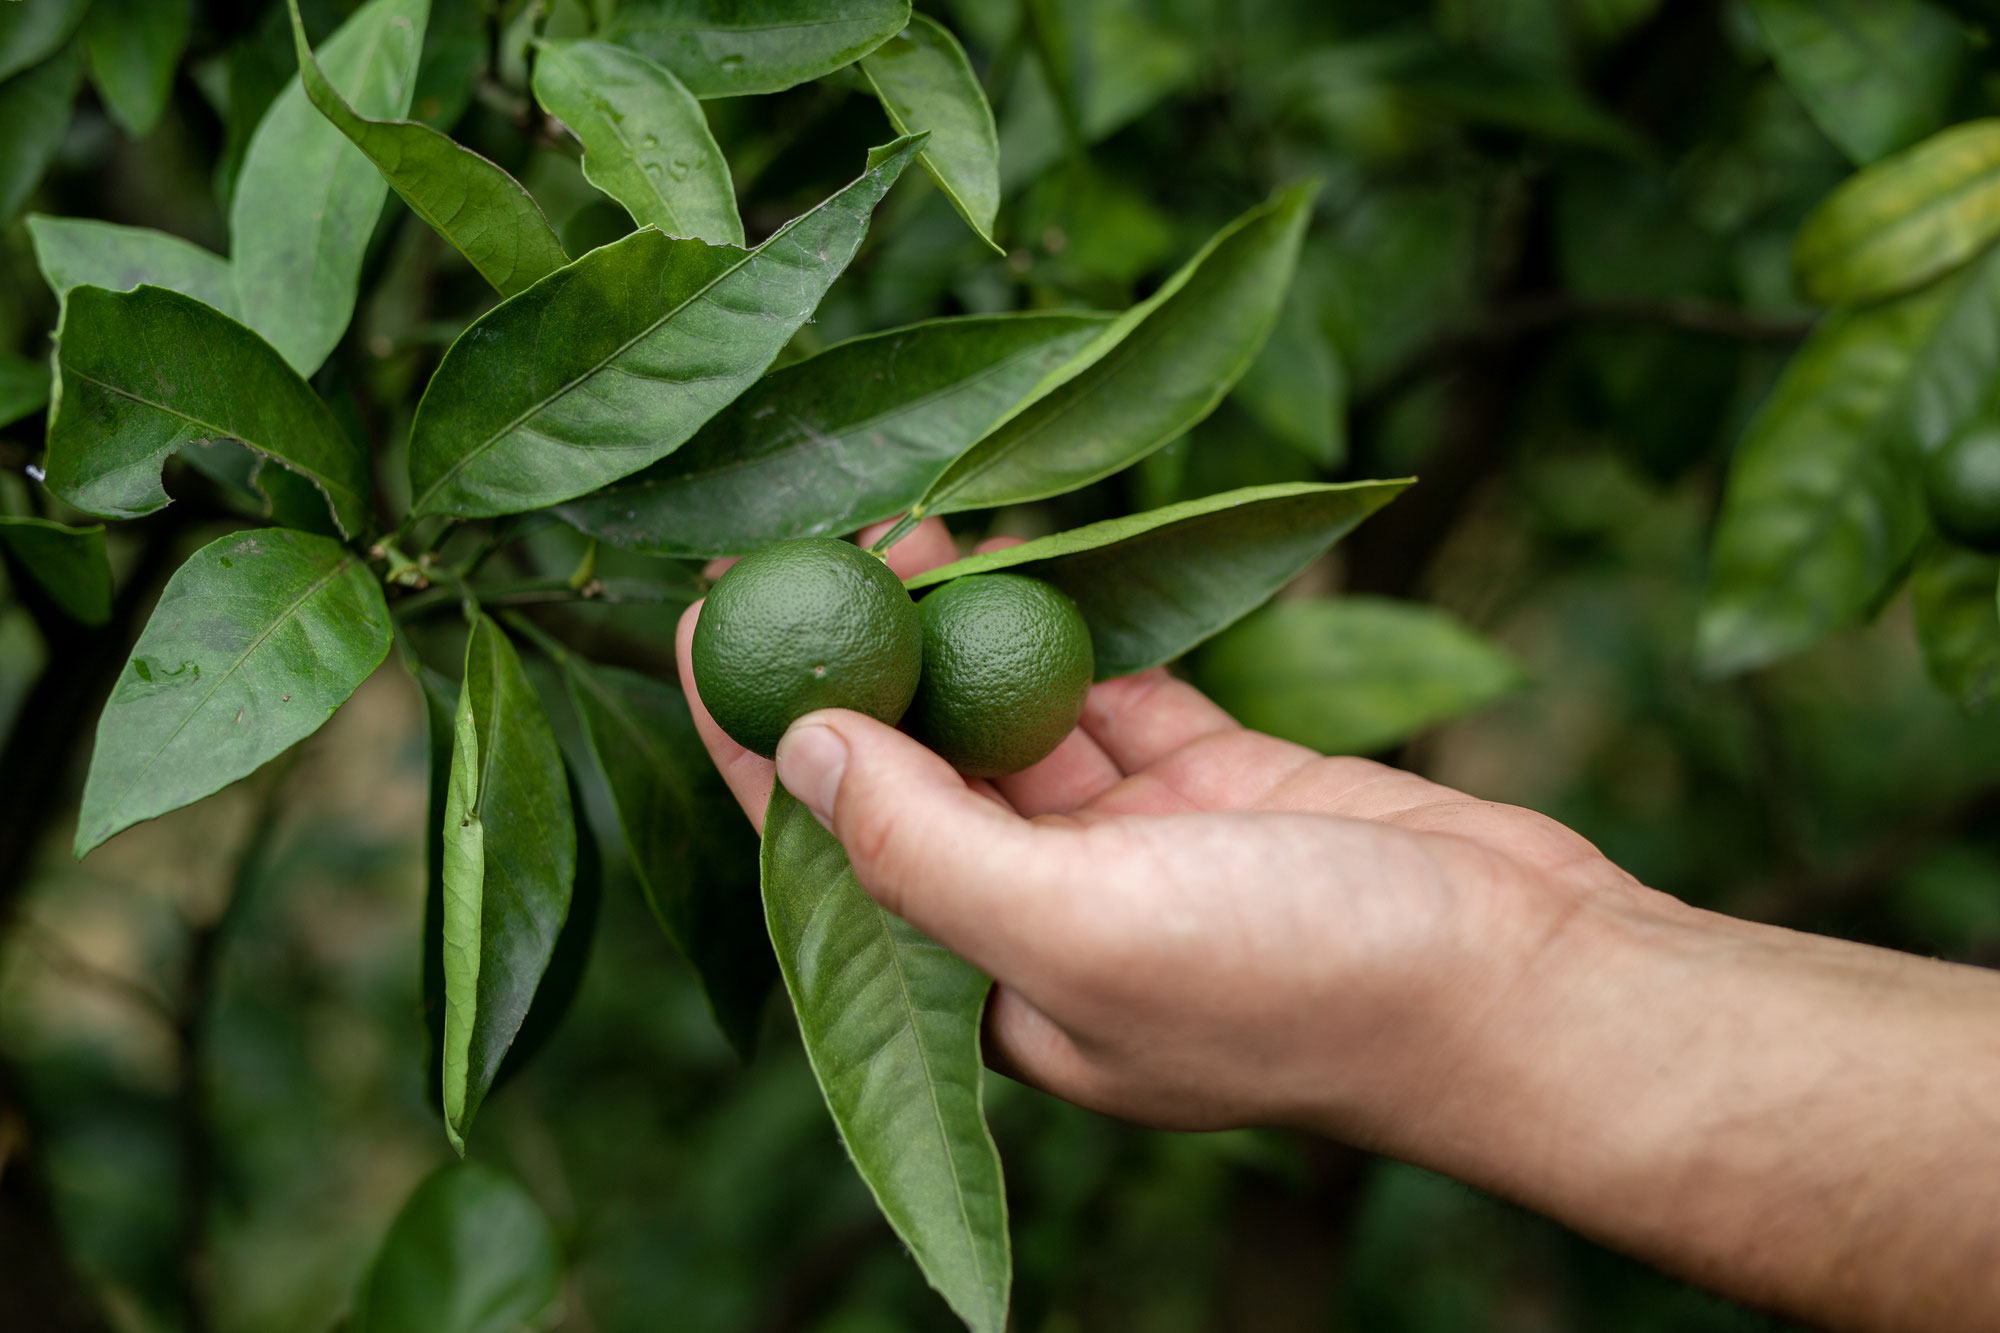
(1007,663)
(1962,486)
(814,623)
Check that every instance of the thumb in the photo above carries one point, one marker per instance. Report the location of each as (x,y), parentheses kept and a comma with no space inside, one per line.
(967,872)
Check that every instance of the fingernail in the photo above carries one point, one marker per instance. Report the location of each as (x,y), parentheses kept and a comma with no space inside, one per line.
(811,760)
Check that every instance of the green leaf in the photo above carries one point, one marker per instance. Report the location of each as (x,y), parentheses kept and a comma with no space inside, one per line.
(134,48)
(615,361)
(1147,377)
(1873,74)
(24,387)
(1822,510)
(142,373)
(509,866)
(1953,601)
(83,252)
(255,642)
(836,441)
(67,563)
(1956,373)
(35,107)
(31,32)
(694,856)
(484,212)
(726,48)
(469,1253)
(440,695)
(926,83)
(890,1022)
(1297,387)
(1905,220)
(1155,584)
(645,140)
(306,199)
(1352,675)
(571,957)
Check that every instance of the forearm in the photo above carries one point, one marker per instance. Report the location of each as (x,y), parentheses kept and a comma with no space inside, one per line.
(1806,1124)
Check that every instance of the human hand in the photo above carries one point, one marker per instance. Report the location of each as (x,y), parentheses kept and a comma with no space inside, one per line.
(1192,925)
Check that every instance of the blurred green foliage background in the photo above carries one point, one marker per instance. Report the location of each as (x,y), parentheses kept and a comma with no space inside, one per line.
(1549,272)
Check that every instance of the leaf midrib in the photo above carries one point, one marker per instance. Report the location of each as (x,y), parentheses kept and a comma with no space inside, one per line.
(930,1086)
(818,439)
(281,618)
(541,405)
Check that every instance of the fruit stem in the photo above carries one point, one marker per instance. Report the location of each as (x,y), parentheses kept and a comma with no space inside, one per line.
(900,529)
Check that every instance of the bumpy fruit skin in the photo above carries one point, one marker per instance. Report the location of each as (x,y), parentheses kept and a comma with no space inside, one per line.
(1962,486)
(1007,663)
(814,623)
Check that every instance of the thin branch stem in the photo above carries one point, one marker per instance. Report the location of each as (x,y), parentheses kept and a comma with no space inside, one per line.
(541,592)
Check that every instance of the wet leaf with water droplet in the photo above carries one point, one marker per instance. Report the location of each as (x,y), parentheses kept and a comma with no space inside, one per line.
(612,363)
(485,213)
(638,127)
(297,614)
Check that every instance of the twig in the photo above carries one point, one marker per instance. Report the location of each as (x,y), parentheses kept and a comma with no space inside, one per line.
(539,592)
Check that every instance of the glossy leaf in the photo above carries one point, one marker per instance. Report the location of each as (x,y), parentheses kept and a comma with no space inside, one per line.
(509,867)
(926,84)
(890,1022)
(1821,510)
(1873,74)
(1352,675)
(134,48)
(1153,585)
(470,1252)
(1297,387)
(306,199)
(1953,597)
(645,140)
(1956,372)
(726,48)
(440,694)
(571,957)
(24,387)
(68,564)
(35,107)
(255,642)
(482,211)
(1147,377)
(615,361)
(834,442)
(694,856)
(83,252)
(142,373)
(33,30)
(1905,220)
